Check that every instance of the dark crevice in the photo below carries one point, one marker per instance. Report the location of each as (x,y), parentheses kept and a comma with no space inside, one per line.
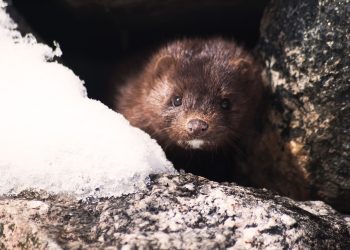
(94,38)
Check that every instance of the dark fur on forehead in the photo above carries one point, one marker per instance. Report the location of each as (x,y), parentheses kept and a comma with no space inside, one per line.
(198,49)
(215,62)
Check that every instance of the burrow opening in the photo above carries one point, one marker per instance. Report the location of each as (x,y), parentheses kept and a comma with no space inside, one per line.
(97,35)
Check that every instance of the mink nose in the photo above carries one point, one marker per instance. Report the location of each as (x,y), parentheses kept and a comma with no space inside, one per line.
(196,126)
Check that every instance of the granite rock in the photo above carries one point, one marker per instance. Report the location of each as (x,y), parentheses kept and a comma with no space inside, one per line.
(305,47)
(173,212)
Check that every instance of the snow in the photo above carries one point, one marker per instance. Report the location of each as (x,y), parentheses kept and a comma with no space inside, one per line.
(54,138)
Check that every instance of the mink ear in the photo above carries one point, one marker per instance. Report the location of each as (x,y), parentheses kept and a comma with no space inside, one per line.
(163,63)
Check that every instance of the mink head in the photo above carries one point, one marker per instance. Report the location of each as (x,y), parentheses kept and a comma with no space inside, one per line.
(199,94)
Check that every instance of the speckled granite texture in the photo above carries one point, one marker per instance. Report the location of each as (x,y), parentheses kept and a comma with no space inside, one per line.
(305,47)
(174,212)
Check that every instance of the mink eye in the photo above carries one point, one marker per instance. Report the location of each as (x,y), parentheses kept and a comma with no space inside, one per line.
(177,101)
(225,104)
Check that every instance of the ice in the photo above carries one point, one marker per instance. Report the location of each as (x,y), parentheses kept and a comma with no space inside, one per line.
(53,137)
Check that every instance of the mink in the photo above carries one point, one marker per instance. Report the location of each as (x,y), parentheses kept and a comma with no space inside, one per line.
(201,100)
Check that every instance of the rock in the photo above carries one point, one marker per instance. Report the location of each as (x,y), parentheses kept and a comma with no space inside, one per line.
(305,47)
(179,212)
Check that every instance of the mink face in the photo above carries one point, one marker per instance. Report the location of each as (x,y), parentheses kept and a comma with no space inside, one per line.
(195,94)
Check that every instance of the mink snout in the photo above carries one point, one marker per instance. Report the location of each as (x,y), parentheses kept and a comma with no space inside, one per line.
(197,127)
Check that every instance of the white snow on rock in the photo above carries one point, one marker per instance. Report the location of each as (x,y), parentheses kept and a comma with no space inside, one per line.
(53,137)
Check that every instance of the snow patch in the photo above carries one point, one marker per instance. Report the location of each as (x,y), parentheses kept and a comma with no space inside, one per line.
(52,137)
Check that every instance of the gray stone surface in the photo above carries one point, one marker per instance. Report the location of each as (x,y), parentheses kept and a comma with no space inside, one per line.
(174,212)
(305,46)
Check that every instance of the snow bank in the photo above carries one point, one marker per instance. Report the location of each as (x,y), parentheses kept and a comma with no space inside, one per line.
(53,137)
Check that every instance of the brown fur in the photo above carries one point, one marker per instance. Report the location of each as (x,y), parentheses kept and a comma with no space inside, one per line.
(203,73)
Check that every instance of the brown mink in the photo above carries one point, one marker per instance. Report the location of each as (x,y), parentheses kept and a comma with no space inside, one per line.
(200,99)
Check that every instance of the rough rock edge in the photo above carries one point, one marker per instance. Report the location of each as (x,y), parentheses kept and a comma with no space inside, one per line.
(182,211)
